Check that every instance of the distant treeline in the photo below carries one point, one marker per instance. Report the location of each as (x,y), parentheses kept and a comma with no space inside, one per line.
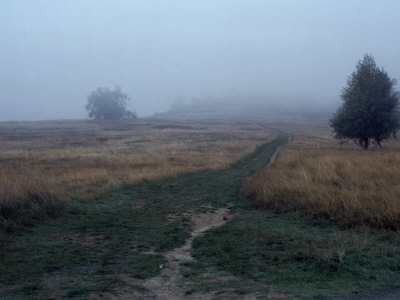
(252,106)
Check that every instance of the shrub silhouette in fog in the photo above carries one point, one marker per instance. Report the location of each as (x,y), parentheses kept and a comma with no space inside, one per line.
(106,104)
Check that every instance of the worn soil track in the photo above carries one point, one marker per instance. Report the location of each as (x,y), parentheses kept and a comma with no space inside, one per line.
(168,284)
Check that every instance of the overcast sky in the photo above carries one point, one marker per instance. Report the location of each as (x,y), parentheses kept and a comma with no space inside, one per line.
(54,53)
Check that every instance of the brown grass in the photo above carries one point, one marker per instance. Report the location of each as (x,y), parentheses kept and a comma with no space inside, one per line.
(316,178)
(42,163)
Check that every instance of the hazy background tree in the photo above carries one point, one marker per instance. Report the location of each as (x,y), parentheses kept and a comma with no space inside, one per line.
(106,104)
(369,109)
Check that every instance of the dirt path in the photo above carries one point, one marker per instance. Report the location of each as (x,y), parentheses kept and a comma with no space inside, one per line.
(271,161)
(276,153)
(167,285)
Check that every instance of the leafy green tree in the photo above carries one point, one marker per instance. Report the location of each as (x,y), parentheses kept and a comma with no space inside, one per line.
(106,104)
(370,106)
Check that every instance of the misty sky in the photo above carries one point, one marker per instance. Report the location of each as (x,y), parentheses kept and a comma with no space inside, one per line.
(54,53)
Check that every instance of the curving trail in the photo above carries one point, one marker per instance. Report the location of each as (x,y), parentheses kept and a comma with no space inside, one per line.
(166,286)
(131,242)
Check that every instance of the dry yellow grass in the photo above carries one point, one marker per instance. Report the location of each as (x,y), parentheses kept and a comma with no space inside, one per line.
(315,178)
(45,162)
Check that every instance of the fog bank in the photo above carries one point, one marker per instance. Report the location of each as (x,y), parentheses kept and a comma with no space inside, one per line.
(290,54)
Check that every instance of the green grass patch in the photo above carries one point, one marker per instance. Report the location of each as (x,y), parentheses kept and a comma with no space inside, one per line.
(295,257)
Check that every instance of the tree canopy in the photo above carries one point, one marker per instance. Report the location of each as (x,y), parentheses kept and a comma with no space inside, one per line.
(106,104)
(370,106)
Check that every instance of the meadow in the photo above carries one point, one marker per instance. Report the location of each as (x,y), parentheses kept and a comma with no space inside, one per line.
(317,178)
(152,209)
(44,164)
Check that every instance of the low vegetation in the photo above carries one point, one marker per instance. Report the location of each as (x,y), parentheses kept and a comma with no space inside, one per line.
(317,179)
(43,164)
(275,255)
(110,244)
(113,245)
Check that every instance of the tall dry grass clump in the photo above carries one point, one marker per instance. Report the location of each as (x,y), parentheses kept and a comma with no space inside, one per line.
(26,199)
(314,178)
(43,164)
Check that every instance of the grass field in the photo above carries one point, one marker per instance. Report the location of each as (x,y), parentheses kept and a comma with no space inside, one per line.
(44,164)
(316,178)
(118,244)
